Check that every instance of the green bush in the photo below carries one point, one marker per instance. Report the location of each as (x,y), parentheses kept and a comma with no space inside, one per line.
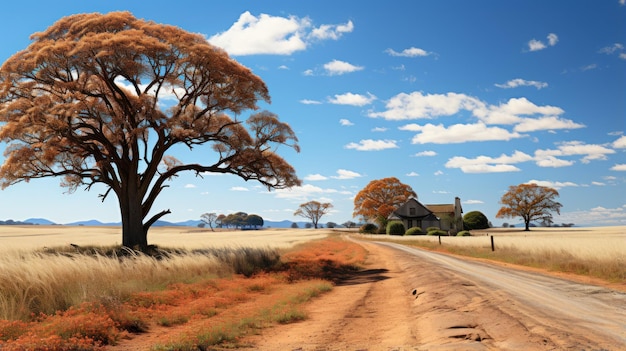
(430,229)
(437,232)
(368,228)
(395,228)
(414,231)
(464,233)
(475,220)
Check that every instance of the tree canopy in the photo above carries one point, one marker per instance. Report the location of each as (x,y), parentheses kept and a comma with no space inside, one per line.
(313,210)
(475,220)
(530,202)
(381,197)
(103,99)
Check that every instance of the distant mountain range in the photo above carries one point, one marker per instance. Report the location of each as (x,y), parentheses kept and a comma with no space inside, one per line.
(188,223)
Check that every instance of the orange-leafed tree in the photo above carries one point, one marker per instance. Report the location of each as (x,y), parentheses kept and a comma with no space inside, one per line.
(379,198)
(313,210)
(530,202)
(104,99)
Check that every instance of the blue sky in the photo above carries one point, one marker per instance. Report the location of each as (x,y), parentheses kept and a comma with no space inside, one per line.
(454,98)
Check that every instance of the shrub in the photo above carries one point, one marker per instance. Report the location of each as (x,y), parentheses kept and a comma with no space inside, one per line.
(464,233)
(395,228)
(475,220)
(368,228)
(430,229)
(437,232)
(414,231)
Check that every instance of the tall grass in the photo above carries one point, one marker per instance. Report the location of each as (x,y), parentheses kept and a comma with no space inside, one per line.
(44,282)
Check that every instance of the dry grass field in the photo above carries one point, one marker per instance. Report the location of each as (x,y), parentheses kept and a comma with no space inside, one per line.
(31,237)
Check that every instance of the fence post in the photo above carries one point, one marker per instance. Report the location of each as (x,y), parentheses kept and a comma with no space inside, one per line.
(439,239)
(493,248)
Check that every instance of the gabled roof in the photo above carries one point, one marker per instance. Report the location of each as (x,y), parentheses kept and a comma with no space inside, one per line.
(441,208)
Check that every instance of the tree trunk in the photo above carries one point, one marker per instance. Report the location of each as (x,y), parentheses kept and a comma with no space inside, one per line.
(133,234)
(527,223)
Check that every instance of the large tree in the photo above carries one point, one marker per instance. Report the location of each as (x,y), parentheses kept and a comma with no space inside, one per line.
(209,218)
(104,98)
(313,210)
(379,198)
(530,202)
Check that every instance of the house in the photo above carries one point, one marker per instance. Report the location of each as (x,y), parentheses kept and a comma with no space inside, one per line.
(444,216)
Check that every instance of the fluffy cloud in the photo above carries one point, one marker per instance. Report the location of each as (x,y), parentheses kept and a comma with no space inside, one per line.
(336,67)
(486,164)
(512,112)
(302,193)
(576,148)
(345,122)
(619,167)
(536,45)
(514,83)
(372,145)
(310,102)
(346,174)
(239,188)
(620,143)
(315,177)
(457,133)
(352,99)
(425,153)
(412,174)
(419,106)
(545,123)
(275,35)
(410,52)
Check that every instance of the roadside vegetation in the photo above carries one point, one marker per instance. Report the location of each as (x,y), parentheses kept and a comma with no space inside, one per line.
(597,257)
(91,298)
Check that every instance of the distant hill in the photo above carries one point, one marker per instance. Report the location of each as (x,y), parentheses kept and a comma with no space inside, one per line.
(188,223)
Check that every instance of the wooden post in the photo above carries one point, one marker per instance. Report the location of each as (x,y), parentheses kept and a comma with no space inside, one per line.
(493,248)
(439,239)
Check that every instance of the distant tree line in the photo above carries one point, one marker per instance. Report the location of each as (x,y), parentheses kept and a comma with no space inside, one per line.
(12,222)
(238,220)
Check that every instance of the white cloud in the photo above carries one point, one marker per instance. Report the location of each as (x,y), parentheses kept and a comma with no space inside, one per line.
(239,188)
(473,202)
(536,45)
(302,193)
(417,106)
(598,183)
(617,47)
(619,167)
(457,133)
(486,164)
(597,215)
(265,34)
(189,186)
(412,174)
(352,99)
(285,67)
(410,52)
(336,67)
(551,184)
(546,123)
(346,174)
(379,129)
(315,177)
(329,31)
(622,2)
(589,67)
(620,143)
(551,161)
(512,111)
(425,153)
(310,102)
(345,122)
(438,173)
(576,148)
(308,72)
(518,82)
(372,145)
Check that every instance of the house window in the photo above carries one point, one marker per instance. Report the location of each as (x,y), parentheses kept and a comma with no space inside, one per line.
(409,223)
(412,211)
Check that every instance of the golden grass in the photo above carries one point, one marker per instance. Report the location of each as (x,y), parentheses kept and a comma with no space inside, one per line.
(82,301)
(595,252)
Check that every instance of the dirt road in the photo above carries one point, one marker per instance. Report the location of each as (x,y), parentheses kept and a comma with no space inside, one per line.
(409,299)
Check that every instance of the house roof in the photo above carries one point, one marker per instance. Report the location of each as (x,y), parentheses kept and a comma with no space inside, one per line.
(441,208)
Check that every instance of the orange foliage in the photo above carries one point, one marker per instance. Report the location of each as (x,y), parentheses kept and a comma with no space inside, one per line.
(81,101)
(381,197)
(530,202)
(212,311)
